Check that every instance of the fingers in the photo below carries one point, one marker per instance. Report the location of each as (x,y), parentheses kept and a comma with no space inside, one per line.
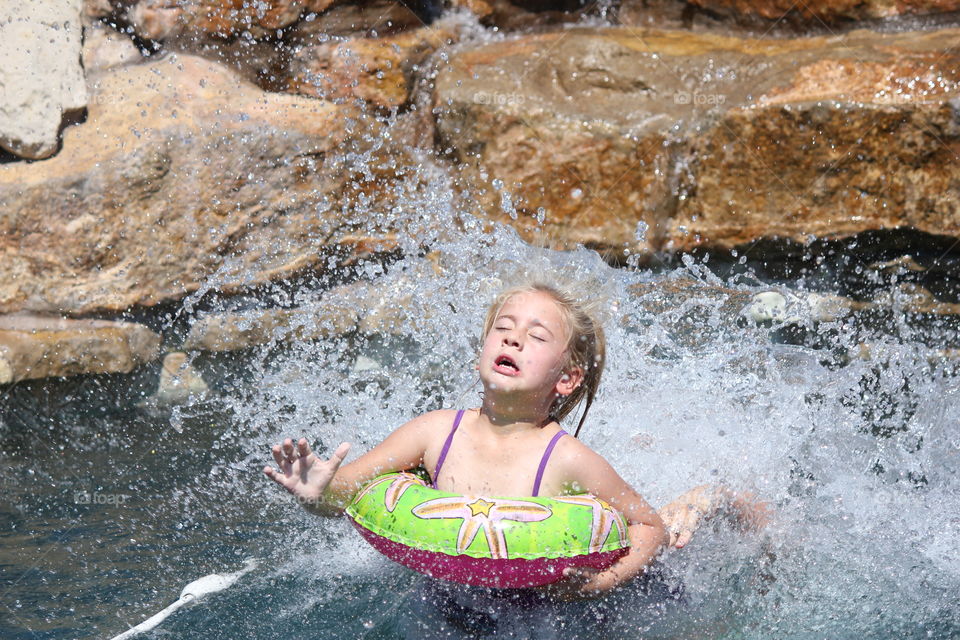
(286,454)
(278,455)
(581,582)
(303,449)
(288,451)
(579,574)
(340,453)
(274,475)
(683,539)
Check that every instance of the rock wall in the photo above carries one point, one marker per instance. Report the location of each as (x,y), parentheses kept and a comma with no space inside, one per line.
(705,140)
(180,171)
(827,10)
(37,347)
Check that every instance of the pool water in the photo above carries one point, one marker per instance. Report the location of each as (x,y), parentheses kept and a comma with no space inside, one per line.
(114,503)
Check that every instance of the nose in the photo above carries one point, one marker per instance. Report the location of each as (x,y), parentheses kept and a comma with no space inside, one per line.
(513,338)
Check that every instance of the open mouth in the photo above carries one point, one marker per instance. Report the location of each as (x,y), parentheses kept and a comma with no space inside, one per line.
(506,364)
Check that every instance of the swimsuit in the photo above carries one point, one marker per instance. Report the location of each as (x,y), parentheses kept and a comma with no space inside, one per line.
(438,610)
(540,469)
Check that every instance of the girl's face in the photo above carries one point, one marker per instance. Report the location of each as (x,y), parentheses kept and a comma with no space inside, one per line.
(526,350)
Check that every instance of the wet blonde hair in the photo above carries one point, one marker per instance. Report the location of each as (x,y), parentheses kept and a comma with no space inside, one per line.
(586,345)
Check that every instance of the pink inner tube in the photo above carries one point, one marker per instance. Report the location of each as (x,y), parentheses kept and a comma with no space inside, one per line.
(510,573)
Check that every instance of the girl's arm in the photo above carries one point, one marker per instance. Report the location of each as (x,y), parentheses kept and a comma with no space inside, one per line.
(325,489)
(648,536)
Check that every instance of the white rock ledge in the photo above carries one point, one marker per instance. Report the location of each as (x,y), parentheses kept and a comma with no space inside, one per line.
(41,76)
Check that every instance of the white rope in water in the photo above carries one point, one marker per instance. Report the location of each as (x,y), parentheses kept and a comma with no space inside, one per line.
(193,591)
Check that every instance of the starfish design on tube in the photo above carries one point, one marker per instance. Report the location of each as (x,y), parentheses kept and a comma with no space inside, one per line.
(398,485)
(480,507)
(479,513)
(604,517)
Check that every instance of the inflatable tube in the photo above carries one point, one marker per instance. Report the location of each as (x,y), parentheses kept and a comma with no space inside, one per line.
(490,542)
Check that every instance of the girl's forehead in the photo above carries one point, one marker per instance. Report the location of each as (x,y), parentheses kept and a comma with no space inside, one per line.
(534,303)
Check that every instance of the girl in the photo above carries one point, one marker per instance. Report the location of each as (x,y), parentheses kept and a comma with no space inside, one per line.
(542,355)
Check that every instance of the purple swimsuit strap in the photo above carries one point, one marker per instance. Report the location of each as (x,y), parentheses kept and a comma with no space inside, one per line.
(540,469)
(446,447)
(543,460)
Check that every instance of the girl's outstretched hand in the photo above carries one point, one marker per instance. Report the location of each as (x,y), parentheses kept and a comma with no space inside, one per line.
(683,516)
(302,473)
(687,513)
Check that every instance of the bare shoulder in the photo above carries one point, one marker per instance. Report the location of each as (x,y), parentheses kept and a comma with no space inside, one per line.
(432,421)
(438,417)
(404,448)
(579,462)
(575,451)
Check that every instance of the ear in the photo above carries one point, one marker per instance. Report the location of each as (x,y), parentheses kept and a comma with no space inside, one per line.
(569,381)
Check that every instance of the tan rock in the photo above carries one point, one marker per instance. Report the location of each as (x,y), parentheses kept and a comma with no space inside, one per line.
(179,381)
(865,137)
(97,8)
(227,18)
(705,140)
(370,18)
(366,307)
(256,39)
(897,266)
(234,331)
(479,8)
(184,174)
(157,19)
(521,15)
(39,347)
(580,136)
(911,298)
(380,71)
(667,14)
(104,47)
(197,26)
(826,10)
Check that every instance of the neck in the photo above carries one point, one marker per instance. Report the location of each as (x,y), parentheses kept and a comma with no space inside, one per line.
(514,414)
